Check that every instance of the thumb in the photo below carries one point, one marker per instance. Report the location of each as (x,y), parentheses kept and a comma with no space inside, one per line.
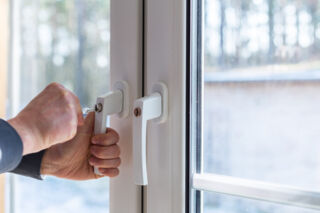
(88,124)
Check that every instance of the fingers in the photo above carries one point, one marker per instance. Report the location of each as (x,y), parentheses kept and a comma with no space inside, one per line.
(106,158)
(101,163)
(110,138)
(109,172)
(105,152)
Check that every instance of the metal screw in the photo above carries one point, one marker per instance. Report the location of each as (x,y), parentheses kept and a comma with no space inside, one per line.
(137,111)
(98,107)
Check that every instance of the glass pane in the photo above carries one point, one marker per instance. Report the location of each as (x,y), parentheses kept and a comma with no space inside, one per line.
(261,86)
(65,42)
(218,203)
(60,195)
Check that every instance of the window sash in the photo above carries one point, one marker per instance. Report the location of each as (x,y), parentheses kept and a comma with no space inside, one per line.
(126,45)
(199,181)
(165,61)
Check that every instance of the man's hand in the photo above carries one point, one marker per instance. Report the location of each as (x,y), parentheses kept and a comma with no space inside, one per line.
(50,118)
(75,159)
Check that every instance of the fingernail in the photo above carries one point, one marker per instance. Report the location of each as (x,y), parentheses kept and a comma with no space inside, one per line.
(91,162)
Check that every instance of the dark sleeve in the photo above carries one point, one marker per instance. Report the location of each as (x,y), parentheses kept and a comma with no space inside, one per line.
(10,147)
(11,154)
(30,166)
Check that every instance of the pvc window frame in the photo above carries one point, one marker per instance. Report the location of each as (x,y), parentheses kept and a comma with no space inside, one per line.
(199,181)
(126,64)
(165,60)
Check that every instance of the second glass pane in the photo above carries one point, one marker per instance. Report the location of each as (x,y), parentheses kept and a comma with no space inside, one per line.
(265,131)
(261,93)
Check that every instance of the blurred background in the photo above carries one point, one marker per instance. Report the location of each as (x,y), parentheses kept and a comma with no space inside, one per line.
(66,42)
(249,33)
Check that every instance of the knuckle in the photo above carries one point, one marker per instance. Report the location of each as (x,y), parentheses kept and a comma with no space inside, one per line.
(54,85)
(114,134)
(65,95)
(70,111)
(116,172)
(56,88)
(67,107)
(70,104)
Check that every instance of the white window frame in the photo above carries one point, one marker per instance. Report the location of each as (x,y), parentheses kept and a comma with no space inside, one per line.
(170,26)
(240,187)
(126,64)
(165,61)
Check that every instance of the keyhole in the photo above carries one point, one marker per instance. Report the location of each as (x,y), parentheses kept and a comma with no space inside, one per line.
(137,111)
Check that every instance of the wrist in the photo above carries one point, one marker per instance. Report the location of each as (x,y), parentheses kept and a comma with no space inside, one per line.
(47,168)
(25,133)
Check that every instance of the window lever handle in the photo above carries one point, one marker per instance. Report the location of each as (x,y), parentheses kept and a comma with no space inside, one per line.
(114,102)
(153,107)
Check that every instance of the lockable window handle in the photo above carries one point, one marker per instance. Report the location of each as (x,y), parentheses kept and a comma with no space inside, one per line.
(114,102)
(153,107)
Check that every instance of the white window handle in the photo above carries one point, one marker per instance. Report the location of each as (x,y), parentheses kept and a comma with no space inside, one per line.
(155,107)
(114,102)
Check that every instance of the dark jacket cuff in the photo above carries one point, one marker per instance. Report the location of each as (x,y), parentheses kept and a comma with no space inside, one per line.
(30,166)
(11,147)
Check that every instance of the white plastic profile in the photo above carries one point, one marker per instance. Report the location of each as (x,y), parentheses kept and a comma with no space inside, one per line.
(259,190)
(153,107)
(114,102)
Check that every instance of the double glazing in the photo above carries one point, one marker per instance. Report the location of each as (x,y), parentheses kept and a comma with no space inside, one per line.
(255,84)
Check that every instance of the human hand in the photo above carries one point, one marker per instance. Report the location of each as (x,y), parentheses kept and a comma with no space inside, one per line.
(75,159)
(50,118)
